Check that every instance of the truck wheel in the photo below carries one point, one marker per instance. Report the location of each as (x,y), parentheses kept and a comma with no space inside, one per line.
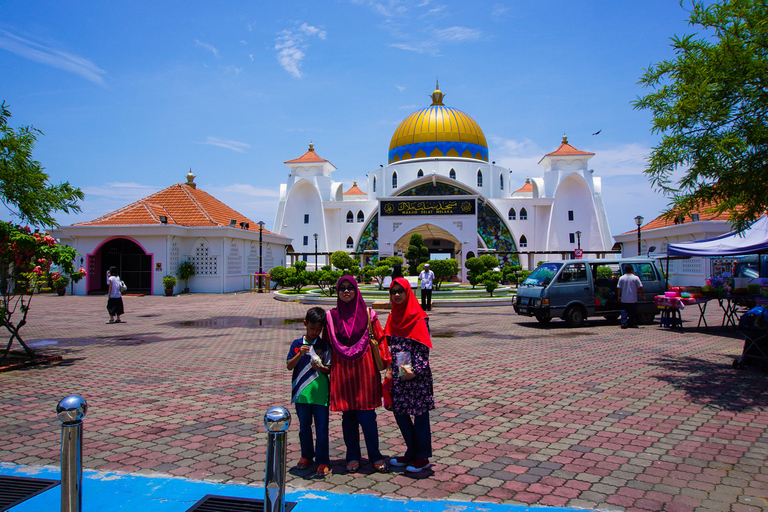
(574,316)
(645,318)
(543,319)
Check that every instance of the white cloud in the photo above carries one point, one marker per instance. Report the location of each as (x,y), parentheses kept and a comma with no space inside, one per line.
(234,145)
(291,44)
(208,47)
(458,34)
(52,57)
(400,88)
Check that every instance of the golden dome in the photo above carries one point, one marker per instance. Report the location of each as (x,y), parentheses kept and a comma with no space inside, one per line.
(438,131)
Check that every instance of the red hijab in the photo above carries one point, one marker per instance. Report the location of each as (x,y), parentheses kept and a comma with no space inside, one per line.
(407,319)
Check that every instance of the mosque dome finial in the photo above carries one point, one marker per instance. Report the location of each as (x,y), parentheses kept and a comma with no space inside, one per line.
(311,146)
(565,139)
(191,179)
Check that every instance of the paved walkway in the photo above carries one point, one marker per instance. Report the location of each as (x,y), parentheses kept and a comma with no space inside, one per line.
(598,417)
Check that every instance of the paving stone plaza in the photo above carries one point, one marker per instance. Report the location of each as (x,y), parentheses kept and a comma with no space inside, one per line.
(599,418)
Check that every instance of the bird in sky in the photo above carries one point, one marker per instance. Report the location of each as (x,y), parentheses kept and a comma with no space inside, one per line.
(598,131)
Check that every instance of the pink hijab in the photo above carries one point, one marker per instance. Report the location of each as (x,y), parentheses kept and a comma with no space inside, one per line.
(350,323)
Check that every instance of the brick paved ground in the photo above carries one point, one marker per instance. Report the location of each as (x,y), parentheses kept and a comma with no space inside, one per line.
(597,417)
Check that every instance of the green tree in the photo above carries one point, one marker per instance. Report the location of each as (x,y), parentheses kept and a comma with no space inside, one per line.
(512,273)
(443,269)
(491,280)
(325,279)
(475,269)
(186,271)
(604,272)
(343,261)
(710,103)
(416,254)
(277,275)
(24,187)
(296,276)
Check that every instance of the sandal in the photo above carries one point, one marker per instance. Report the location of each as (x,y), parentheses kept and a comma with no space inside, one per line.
(353,466)
(323,470)
(303,463)
(381,466)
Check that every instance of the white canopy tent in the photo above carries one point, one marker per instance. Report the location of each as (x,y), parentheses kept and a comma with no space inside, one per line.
(752,240)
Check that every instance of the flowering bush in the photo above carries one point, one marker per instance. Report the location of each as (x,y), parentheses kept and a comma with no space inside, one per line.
(25,263)
(78,275)
(59,281)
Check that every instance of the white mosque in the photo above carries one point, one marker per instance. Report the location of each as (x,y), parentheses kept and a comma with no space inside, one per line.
(439,183)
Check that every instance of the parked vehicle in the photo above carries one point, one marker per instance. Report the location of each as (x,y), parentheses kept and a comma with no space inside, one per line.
(753,265)
(576,289)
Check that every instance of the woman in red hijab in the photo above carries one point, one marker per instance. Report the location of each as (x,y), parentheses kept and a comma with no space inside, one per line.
(355,381)
(409,344)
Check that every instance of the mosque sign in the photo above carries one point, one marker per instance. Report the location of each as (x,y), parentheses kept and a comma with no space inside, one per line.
(402,207)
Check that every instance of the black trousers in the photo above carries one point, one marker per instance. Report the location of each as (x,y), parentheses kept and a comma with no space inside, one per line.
(426,299)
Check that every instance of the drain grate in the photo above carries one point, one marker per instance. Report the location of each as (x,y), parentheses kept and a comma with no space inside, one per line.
(15,489)
(213,503)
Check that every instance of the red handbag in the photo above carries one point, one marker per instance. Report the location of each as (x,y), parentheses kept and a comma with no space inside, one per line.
(386,392)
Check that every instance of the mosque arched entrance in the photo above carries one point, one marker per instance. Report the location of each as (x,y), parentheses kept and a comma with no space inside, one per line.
(133,263)
(440,242)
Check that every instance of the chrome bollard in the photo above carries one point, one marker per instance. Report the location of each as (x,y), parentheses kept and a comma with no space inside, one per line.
(277,420)
(71,411)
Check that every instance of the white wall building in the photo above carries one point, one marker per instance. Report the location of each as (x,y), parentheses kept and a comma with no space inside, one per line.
(439,183)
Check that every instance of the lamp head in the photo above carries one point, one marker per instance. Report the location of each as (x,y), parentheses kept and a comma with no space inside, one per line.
(639,220)
(261,225)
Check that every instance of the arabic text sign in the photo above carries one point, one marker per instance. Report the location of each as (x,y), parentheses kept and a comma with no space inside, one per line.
(428,207)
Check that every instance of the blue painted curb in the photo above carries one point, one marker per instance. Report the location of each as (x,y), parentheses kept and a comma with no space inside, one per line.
(109,492)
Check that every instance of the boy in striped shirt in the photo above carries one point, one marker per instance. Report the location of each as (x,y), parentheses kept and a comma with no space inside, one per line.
(309,358)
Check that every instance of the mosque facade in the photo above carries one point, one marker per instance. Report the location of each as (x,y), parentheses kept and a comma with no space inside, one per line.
(440,182)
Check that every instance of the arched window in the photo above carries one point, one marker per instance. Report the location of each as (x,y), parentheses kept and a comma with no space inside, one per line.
(523,241)
(452,174)
(512,214)
(360,216)
(350,243)
(420,174)
(350,217)
(501,181)
(394,180)
(479,178)
(374,183)
(523,214)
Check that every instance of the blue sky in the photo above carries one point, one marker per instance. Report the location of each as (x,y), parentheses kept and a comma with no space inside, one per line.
(131,95)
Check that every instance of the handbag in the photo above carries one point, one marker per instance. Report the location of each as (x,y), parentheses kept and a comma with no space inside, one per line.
(377,359)
(123,288)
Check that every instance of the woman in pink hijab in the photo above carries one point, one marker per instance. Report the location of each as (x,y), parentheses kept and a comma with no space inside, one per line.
(355,381)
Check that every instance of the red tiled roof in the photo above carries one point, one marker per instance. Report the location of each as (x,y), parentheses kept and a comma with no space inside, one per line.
(354,191)
(181,204)
(528,187)
(663,222)
(309,156)
(566,149)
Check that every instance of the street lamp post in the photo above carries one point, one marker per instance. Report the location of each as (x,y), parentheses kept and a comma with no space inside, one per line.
(261,229)
(315,235)
(578,239)
(639,221)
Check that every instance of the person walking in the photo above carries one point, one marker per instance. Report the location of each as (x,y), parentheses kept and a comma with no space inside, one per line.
(115,297)
(628,287)
(426,277)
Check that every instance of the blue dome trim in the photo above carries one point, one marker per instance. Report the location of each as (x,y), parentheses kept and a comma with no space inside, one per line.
(443,146)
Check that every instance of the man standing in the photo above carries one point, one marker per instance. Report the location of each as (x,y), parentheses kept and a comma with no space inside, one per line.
(628,287)
(426,276)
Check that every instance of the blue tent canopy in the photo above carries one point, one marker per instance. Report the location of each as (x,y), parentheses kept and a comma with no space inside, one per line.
(752,240)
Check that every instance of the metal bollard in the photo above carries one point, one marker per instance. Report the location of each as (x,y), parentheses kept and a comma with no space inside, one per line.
(71,411)
(277,420)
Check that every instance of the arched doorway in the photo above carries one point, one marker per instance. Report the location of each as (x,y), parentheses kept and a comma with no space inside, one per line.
(133,263)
